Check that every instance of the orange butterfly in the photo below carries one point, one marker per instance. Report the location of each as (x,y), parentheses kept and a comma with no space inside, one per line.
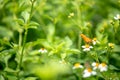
(85,38)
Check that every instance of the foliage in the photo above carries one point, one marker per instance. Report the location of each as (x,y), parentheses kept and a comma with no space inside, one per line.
(41,39)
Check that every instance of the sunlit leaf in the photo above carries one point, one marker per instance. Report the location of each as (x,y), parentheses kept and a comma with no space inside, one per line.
(26,16)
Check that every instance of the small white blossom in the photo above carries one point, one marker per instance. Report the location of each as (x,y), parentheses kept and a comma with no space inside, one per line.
(88,72)
(94,41)
(117,17)
(95,65)
(42,50)
(102,67)
(86,47)
(77,65)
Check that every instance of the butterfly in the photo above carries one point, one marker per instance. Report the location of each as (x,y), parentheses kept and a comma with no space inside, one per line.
(85,38)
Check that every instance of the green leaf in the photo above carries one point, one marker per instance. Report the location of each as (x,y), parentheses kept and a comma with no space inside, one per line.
(30,78)
(112,67)
(9,70)
(26,16)
(68,41)
(60,46)
(35,52)
(32,23)
(116,48)
(63,55)
(5,32)
(33,27)
(72,51)
(1,77)
(11,77)
(51,31)
(20,21)
(2,65)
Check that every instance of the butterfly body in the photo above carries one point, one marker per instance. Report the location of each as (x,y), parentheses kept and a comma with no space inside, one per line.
(85,38)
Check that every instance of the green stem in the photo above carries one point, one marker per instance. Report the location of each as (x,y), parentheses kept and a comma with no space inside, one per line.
(20,38)
(24,42)
(79,23)
(79,42)
(31,11)
(25,36)
(76,76)
(97,59)
(24,39)
(119,22)
(22,52)
(104,76)
(96,55)
(109,51)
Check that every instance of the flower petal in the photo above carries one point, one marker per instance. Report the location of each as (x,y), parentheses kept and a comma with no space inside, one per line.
(94,73)
(85,75)
(83,47)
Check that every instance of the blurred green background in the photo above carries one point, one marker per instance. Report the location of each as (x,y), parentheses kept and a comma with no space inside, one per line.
(56,26)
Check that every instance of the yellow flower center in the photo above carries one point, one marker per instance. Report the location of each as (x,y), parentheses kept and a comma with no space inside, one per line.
(111,45)
(103,64)
(42,49)
(94,39)
(77,64)
(87,46)
(89,70)
(97,64)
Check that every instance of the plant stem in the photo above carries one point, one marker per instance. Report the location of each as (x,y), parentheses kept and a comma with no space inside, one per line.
(20,38)
(24,39)
(24,42)
(96,56)
(79,23)
(97,59)
(22,52)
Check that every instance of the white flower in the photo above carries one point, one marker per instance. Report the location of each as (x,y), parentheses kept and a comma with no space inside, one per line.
(102,67)
(117,17)
(77,65)
(86,47)
(95,65)
(88,72)
(94,41)
(42,50)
